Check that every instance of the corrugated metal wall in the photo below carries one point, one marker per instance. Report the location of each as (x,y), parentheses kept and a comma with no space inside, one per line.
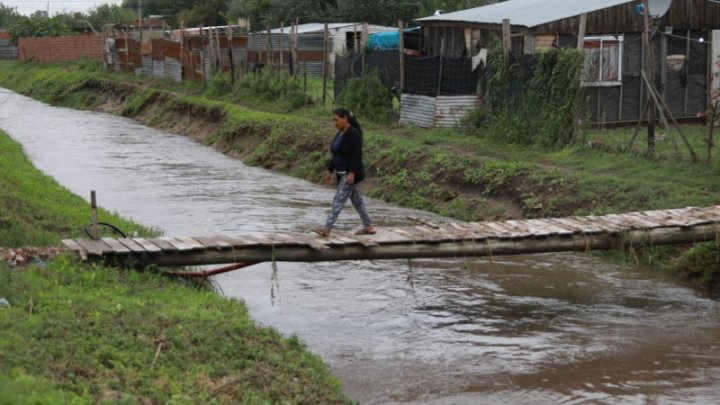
(438,112)
(8,51)
(417,110)
(309,52)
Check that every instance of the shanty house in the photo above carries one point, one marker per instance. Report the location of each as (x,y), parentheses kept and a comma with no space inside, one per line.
(682,34)
(343,38)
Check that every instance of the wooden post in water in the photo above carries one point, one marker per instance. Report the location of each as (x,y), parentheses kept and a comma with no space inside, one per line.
(93,212)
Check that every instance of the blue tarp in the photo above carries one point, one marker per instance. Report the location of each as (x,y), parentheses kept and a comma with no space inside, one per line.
(384,40)
(387,40)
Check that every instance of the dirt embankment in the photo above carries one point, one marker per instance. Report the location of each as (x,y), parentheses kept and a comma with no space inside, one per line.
(450,182)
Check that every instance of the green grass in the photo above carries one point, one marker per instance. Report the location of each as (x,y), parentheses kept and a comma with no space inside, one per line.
(36,210)
(77,333)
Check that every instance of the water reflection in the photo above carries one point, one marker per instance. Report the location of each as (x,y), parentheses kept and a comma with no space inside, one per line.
(556,328)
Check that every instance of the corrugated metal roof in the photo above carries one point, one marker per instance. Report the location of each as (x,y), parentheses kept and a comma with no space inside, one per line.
(317,27)
(528,13)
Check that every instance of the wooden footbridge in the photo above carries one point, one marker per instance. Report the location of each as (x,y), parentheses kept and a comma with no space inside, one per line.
(425,239)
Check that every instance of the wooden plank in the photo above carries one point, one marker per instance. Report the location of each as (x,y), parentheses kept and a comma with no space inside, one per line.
(405,233)
(364,240)
(239,241)
(499,231)
(388,236)
(426,222)
(584,227)
(118,247)
(569,229)
(594,225)
(178,244)
(482,231)
(565,223)
(520,228)
(282,239)
(633,221)
(149,246)
(614,223)
(552,227)
(340,238)
(213,242)
(650,221)
(74,246)
(162,244)
(130,244)
(309,240)
(261,239)
(538,229)
(195,245)
(94,247)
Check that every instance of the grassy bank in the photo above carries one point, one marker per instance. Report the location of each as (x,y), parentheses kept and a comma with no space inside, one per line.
(466,176)
(75,333)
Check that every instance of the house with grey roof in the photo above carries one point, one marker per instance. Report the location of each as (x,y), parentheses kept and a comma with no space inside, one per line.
(684,35)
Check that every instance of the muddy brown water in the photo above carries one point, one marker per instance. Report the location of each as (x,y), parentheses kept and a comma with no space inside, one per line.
(552,328)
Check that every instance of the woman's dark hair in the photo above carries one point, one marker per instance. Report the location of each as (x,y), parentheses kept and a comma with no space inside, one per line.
(345,113)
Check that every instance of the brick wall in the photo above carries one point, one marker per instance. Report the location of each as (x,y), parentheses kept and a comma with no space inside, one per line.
(61,49)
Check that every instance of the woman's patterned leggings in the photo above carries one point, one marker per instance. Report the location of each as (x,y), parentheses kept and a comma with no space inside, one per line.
(345,191)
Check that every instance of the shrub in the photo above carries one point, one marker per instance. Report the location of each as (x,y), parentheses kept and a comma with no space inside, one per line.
(281,90)
(368,97)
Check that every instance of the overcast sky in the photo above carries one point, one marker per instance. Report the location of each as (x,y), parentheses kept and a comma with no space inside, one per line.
(27,7)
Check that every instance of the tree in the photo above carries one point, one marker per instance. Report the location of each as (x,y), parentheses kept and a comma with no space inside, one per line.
(383,12)
(39,27)
(273,12)
(109,14)
(193,12)
(8,16)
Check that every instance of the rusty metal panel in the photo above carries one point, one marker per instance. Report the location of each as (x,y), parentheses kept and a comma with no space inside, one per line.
(173,69)
(417,110)
(450,110)
(157,49)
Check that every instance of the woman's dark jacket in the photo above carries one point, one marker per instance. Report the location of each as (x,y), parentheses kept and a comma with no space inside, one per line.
(349,154)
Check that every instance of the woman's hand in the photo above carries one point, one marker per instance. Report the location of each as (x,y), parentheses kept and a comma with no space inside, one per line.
(350,178)
(327,179)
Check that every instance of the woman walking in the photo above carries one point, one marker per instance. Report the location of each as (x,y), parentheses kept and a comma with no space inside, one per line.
(348,166)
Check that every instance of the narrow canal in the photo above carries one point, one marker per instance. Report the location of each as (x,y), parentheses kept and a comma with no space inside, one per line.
(555,328)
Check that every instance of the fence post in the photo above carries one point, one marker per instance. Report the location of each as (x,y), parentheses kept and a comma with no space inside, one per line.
(581,31)
(218,53)
(364,45)
(650,73)
(230,54)
(440,73)
(326,34)
(282,43)
(268,46)
(401,48)
(506,39)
